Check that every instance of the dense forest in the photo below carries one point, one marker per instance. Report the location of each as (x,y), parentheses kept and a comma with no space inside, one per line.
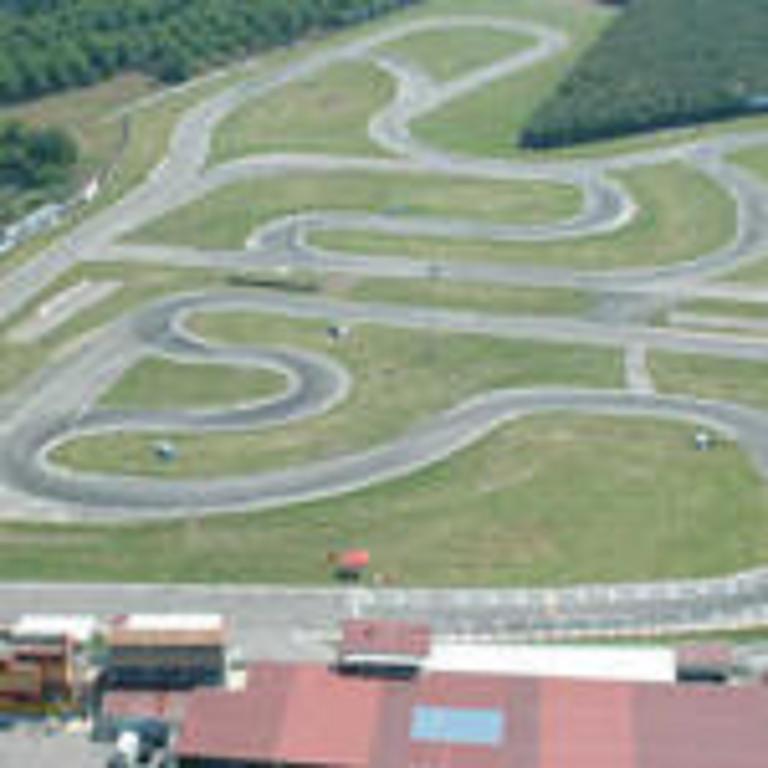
(51,45)
(663,63)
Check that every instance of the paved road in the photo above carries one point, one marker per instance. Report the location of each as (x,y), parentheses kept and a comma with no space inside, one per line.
(58,403)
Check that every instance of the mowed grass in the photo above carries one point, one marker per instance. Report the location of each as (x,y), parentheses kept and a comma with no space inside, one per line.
(738,381)
(546,501)
(325,113)
(488,121)
(400,378)
(158,383)
(225,218)
(476,297)
(449,53)
(682,215)
(727,308)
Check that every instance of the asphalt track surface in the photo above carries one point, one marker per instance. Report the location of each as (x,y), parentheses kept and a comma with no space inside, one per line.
(59,402)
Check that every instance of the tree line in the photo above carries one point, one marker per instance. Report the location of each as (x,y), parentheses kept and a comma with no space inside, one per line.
(35,157)
(52,45)
(662,63)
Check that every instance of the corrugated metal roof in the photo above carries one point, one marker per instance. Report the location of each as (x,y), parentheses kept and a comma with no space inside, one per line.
(307,714)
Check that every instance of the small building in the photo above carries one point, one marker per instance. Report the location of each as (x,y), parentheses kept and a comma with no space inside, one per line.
(383,647)
(166,651)
(36,676)
(153,714)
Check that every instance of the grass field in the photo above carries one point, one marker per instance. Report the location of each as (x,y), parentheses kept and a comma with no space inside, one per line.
(487,122)
(736,309)
(158,383)
(477,297)
(326,113)
(400,377)
(553,500)
(448,53)
(682,215)
(225,218)
(738,381)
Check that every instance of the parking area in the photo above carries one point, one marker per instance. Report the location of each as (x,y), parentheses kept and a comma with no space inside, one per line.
(32,745)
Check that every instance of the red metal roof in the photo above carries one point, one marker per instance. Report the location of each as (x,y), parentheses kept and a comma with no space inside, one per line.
(309,715)
(362,636)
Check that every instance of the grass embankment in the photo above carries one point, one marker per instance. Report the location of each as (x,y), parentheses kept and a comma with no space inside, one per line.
(325,113)
(682,215)
(738,381)
(448,53)
(225,218)
(400,377)
(159,383)
(554,500)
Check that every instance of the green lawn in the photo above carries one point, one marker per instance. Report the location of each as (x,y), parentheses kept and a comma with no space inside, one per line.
(159,383)
(478,297)
(553,500)
(400,377)
(739,381)
(225,218)
(449,53)
(326,113)
(736,309)
(682,215)
(487,121)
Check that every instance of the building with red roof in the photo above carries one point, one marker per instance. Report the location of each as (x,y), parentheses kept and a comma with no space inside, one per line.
(367,644)
(312,715)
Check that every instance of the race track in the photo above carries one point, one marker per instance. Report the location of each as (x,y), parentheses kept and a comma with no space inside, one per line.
(59,403)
